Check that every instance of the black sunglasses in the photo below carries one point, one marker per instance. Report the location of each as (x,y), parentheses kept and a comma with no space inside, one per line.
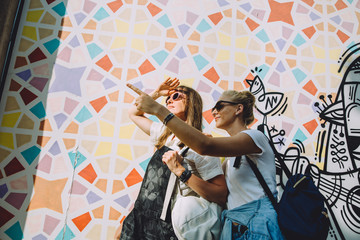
(176,96)
(220,104)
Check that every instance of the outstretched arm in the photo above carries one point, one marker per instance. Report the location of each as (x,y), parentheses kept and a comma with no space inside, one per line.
(239,144)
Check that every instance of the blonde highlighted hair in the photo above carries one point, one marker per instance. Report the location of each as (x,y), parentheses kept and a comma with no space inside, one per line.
(247,99)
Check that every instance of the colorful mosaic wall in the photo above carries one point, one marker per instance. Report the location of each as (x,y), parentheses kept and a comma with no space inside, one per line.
(71,161)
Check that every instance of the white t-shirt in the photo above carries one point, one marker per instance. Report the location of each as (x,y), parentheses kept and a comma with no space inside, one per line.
(205,167)
(242,183)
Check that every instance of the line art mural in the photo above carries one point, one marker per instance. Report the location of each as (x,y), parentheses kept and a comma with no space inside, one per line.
(71,161)
(336,171)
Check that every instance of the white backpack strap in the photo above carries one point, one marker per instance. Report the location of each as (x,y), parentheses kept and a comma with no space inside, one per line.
(170,188)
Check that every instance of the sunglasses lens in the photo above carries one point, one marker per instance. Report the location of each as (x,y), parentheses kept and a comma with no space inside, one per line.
(218,106)
(175,96)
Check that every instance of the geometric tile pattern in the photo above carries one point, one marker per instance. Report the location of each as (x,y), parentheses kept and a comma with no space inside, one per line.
(71,160)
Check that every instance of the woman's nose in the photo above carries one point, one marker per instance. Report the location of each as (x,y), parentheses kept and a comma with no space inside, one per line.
(213,113)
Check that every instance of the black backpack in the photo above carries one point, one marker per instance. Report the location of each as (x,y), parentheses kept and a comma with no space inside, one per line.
(301,210)
(144,222)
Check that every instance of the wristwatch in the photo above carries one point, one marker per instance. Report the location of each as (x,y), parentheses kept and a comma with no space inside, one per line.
(185,175)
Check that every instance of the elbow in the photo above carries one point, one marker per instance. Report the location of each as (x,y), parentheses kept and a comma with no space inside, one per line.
(201,150)
(223,199)
(133,113)
(204,147)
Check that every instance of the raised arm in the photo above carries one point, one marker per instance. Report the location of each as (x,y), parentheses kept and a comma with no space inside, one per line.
(239,144)
(138,117)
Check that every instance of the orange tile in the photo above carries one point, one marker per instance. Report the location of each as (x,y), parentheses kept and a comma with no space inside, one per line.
(69,143)
(72,128)
(82,221)
(309,2)
(342,36)
(98,212)
(310,87)
(117,73)
(115,5)
(251,24)
(169,46)
(212,75)
(193,49)
(42,140)
(88,173)
(292,50)
(249,77)
(114,214)
(311,126)
(270,48)
(128,98)
(101,184)
(153,9)
(45,125)
(66,22)
(291,62)
(63,34)
(269,60)
(171,33)
(208,116)
(87,37)
(238,86)
(114,97)
(90,25)
(195,36)
(309,32)
(118,185)
(216,18)
(131,74)
(228,13)
(224,84)
(133,178)
(99,103)
(146,67)
(105,63)
(340,5)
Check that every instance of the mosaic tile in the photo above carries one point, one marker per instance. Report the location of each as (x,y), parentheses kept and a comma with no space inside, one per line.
(15,232)
(66,89)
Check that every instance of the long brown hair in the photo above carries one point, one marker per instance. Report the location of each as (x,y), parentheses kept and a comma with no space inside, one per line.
(193,113)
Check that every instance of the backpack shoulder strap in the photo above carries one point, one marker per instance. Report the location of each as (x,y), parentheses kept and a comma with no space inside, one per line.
(170,188)
(265,130)
(262,182)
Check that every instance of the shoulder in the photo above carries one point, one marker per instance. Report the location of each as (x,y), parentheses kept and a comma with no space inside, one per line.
(256,134)
(259,138)
(156,128)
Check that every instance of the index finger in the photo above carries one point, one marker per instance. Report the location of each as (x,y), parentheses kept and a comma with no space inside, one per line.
(135,89)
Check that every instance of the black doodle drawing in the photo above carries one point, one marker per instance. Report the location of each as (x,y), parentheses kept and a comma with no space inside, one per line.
(267,102)
(337,149)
